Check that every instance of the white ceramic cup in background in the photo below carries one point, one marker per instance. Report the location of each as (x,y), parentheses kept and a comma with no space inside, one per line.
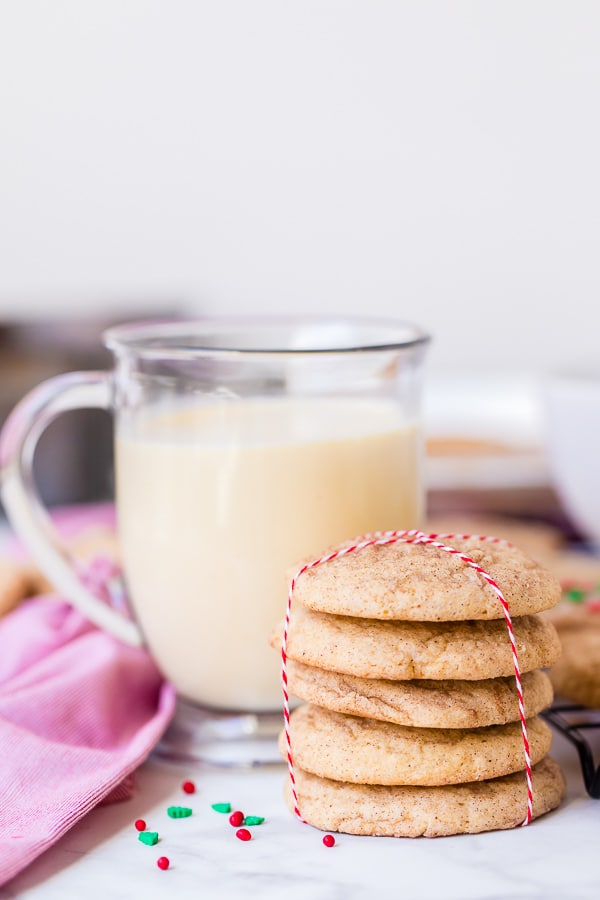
(572,419)
(241,446)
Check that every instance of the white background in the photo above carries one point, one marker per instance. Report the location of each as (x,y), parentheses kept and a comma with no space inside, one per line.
(437,161)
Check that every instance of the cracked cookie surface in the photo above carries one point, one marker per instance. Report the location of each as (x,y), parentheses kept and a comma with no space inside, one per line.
(422,583)
(421,702)
(365,751)
(371,648)
(425,811)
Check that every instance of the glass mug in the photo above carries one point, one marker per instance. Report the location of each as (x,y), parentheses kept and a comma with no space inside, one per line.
(241,447)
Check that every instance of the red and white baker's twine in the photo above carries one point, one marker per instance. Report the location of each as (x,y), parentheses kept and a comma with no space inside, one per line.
(407,537)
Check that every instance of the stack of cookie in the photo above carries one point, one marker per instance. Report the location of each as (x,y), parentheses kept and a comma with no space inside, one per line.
(411,725)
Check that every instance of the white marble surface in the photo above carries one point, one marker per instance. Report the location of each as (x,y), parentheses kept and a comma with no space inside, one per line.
(553,859)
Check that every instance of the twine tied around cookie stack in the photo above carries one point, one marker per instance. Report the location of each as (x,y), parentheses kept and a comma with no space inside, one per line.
(433,542)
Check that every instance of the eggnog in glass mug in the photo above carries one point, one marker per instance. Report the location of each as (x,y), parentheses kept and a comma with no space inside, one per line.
(242,446)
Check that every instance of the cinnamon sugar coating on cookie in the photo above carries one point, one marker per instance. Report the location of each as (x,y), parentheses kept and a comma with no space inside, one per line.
(15,584)
(421,703)
(419,582)
(370,648)
(364,751)
(405,811)
(576,675)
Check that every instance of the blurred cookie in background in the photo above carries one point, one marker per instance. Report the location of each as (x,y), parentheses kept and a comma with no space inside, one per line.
(15,584)
(576,675)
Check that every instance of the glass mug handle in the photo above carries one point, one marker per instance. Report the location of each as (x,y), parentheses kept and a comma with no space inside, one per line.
(21,500)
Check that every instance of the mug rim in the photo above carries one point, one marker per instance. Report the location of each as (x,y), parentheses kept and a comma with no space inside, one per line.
(160,338)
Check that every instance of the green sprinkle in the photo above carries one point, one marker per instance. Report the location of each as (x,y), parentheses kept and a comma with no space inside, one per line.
(179,812)
(575,595)
(222,807)
(148,837)
(254,820)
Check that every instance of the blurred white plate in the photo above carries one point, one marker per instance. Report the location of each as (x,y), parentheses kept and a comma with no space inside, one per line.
(484,433)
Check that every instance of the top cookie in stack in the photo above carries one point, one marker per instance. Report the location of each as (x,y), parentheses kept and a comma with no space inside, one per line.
(420,583)
(412,722)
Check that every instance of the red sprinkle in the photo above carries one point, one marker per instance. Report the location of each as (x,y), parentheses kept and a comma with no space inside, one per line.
(329,840)
(163,862)
(236,818)
(140,824)
(243,834)
(189,787)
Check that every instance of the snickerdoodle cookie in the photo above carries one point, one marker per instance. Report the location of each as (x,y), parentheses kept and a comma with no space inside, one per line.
(14,585)
(369,648)
(420,702)
(406,811)
(365,751)
(419,582)
(576,675)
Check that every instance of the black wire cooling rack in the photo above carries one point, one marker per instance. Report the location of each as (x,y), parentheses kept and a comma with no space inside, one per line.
(576,722)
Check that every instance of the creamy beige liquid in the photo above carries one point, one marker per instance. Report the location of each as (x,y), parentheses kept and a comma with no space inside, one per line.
(216,503)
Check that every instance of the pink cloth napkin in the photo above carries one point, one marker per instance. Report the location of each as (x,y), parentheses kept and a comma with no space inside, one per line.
(78,713)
